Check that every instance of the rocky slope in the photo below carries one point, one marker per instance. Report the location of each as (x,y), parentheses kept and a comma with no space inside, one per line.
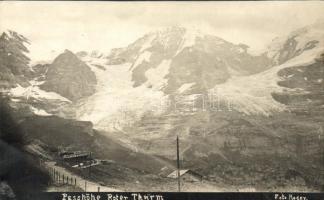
(14,61)
(284,48)
(169,58)
(260,93)
(69,77)
(20,174)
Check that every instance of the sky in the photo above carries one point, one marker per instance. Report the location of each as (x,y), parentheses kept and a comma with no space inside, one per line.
(53,27)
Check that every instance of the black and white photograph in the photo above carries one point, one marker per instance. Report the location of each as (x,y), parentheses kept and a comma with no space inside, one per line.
(167,96)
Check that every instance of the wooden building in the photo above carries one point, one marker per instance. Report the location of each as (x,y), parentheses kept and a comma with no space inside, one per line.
(74,157)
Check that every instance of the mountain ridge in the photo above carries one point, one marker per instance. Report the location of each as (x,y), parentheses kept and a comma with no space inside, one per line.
(176,61)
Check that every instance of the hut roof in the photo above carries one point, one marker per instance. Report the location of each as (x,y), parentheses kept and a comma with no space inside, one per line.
(174,174)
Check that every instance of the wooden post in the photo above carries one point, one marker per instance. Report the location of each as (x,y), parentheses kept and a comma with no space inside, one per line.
(178,164)
(323,152)
(85,186)
(90,164)
(74,181)
(98,189)
(63,178)
(90,170)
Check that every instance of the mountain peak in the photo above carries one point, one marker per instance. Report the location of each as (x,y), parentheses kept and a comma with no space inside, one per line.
(67,59)
(306,39)
(66,51)
(170,29)
(182,29)
(176,30)
(4,35)
(9,34)
(66,54)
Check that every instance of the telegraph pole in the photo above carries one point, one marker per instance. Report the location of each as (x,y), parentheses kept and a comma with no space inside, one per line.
(321,144)
(321,149)
(178,164)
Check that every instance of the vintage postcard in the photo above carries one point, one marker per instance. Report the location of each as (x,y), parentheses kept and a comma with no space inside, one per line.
(108,96)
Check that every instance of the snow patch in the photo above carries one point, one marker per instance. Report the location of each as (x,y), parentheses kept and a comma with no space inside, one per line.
(145,56)
(156,76)
(189,39)
(35,82)
(35,92)
(40,112)
(116,102)
(94,60)
(185,87)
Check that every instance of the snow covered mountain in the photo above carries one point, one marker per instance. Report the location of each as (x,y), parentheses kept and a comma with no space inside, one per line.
(299,71)
(294,44)
(171,61)
(169,58)
(119,87)
(148,73)
(257,114)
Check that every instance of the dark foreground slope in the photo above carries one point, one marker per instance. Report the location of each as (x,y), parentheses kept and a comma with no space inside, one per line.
(20,175)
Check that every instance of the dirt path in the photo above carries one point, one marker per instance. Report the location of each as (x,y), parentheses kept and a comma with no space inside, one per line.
(81,182)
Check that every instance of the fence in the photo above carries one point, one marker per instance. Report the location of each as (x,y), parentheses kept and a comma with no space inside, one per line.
(61,178)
